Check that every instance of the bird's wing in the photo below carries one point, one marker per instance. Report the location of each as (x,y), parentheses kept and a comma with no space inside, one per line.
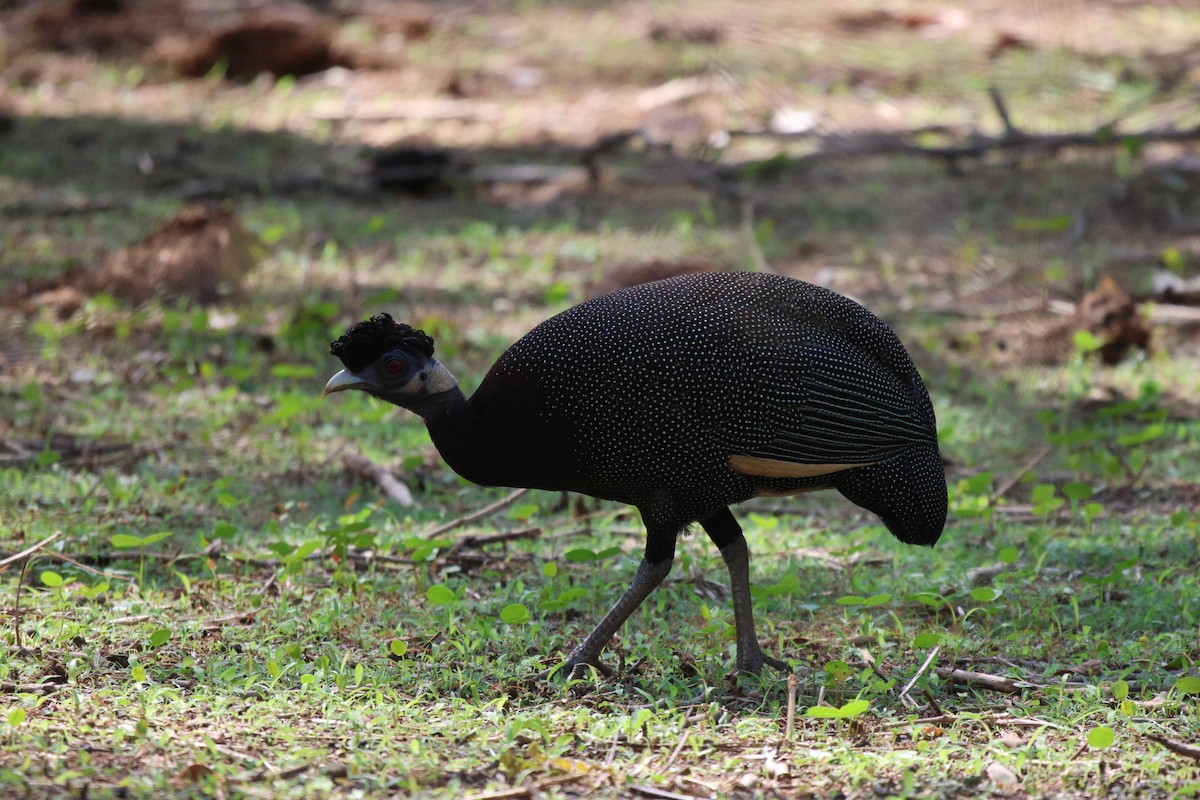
(828,406)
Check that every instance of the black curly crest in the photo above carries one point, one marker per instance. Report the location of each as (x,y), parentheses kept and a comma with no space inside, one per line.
(368,340)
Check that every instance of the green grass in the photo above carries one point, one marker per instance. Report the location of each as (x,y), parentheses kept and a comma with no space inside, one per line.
(227,610)
(293,633)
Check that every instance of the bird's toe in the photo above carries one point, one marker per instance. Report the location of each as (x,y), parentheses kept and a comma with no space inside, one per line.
(575,667)
(753,662)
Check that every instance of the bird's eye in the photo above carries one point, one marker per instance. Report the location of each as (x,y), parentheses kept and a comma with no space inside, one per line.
(394,366)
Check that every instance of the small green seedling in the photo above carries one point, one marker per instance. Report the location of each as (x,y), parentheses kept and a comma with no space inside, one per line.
(848,711)
(127,541)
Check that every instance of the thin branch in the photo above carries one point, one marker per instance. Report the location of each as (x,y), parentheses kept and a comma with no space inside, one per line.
(28,551)
(243,618)
(17,604)
(532,790)
(928,660)
(937,709)
(983,680)
(81,566)
(869,659)
(1010,130)
(1178,748)
(793,688)
(361,466)
(974,145)
(659,794)
(683,737)
(999,721)
(268,773)
(479,540)
(475,516)
(1025,469)
(29,688)
(61,208)
(504,794)
(17,650)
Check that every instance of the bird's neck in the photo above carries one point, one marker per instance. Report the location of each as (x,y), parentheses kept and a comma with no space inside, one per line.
(451,422)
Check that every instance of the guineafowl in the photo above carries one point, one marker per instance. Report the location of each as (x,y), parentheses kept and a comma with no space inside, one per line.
(682,397)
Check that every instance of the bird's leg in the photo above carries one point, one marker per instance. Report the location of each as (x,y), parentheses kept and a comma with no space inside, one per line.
(725,532)
(750,655)
(649,575)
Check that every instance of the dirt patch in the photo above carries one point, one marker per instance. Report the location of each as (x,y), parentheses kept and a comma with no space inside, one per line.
(201,253)
(193,39)
(1043,332)
(1109,314)
(281,40)
(98,26)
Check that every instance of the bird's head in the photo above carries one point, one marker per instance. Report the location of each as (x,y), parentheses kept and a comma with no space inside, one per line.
(391,361)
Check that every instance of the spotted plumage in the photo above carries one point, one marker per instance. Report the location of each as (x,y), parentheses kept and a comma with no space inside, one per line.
(683,397)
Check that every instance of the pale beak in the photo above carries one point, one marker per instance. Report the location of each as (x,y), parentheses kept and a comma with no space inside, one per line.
(342,381)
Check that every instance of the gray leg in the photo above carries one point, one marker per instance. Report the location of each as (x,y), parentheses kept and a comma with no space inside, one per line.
(726,534)
(750,655)
(649,575)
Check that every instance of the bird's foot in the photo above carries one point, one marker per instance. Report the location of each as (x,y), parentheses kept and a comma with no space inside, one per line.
(751,660)
(575,667)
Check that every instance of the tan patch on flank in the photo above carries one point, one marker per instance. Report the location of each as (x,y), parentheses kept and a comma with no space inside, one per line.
(762,491)
(777,468)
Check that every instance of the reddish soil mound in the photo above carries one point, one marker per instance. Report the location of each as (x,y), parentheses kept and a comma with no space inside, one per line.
(201,253)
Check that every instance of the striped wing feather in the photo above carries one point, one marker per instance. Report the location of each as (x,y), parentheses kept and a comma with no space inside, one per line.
(839,408)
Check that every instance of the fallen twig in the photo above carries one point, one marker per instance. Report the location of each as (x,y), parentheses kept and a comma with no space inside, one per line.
(81,566)
(216,186)
(1173,314)
(479,540)
(60,208)
(24,557)
(1001,107)
(30,688)
(973,146)
(264,773)
(28,551)
(1001,721)
(996,683)
(72,452)
(1083,748)
(1025,469)
(526,791)
(515,793)
(48,651)
(659,794)
(1178,748)
(360,465)
(928,660)
(232,619)
(937,709)
(475,516)
(683,737)
(869,660)
(982,576)
(793,688)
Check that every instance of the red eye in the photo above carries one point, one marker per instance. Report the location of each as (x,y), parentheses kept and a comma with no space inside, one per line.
(394,366)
